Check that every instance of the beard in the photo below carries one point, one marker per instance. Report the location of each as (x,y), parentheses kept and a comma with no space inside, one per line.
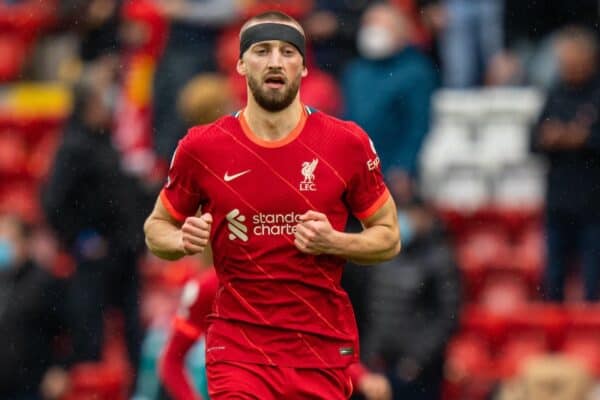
(274,100)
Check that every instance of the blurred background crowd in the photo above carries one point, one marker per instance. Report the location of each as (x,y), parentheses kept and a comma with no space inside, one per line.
(485,114)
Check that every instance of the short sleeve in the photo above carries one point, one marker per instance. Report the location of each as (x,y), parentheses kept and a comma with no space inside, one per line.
(366,191)
(181,194)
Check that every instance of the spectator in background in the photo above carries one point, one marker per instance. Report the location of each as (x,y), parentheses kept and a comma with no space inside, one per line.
(413,303)
(95,210)
(427,18)
(31,317)
(195,25)
(332,27)
(204,99)
(530,28)
(528,21)
(505,69)
(143,36)
(388,89)
(96,22)
(472,36)
(568,134)
(83,30)
(22,22)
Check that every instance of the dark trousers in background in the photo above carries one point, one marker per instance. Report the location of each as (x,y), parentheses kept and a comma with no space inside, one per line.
(572,237)
(94,287)
(427,386)
(22,396)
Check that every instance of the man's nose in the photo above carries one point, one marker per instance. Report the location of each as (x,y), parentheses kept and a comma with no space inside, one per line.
(275,59)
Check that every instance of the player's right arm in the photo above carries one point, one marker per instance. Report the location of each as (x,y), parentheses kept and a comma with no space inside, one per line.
(169,239)
(174,228)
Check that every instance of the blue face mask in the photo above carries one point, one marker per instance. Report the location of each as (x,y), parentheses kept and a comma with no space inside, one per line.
(7,254)
(407,232)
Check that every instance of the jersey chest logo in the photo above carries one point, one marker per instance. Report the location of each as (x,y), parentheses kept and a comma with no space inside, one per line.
(308,171)
(229,178)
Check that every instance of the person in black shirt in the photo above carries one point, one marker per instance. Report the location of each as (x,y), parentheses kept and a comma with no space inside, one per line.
(96,211)
(568,134)
(31,317)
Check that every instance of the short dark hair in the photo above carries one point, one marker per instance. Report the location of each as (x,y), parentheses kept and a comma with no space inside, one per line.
(273,15)
(580,34)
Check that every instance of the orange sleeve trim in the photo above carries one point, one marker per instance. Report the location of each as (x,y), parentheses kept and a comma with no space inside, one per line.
(377,204)
(174,213)
(186,328)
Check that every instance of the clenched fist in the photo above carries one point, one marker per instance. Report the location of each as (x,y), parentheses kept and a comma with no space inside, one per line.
(375,387)
(314,234)
(195,233)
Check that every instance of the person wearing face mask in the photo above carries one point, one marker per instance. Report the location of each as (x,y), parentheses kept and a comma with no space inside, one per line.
(30,318)
(388,89)
(412,303)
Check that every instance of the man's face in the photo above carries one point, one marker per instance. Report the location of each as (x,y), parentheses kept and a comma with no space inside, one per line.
(273,70)
(576,61)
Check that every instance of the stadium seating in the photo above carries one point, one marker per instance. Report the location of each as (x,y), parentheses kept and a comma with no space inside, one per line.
(488,188)
(31,120)
(469,369)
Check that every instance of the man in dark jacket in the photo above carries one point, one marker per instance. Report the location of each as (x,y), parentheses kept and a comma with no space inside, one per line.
(30,318)
(97,212)
(568,134)
(413,304)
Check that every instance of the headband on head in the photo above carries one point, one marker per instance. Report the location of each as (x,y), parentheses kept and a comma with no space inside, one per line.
(272,31)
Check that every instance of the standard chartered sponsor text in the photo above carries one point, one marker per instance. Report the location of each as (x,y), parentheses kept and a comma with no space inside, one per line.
(275,224)
(262,224)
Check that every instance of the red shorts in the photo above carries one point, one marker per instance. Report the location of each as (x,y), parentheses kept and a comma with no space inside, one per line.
(244,381)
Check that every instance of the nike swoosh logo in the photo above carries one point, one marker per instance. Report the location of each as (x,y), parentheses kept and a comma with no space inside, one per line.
(229,178)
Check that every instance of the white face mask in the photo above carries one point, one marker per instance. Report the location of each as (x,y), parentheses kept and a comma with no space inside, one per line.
(375,42)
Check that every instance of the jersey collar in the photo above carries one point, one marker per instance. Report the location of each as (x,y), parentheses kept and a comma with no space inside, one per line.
(252,136)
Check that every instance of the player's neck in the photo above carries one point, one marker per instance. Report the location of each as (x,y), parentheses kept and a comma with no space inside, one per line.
(272,126)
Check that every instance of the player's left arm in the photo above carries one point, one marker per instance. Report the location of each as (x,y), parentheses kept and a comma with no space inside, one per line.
(377,242)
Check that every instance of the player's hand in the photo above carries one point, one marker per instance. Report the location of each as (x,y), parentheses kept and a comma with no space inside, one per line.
(375,387)
(195,233)
(314,234)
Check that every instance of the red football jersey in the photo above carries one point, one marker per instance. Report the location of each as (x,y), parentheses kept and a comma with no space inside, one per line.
(276,305)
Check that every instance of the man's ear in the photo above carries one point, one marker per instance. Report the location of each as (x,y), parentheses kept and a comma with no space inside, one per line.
(241,67)
(304,71)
